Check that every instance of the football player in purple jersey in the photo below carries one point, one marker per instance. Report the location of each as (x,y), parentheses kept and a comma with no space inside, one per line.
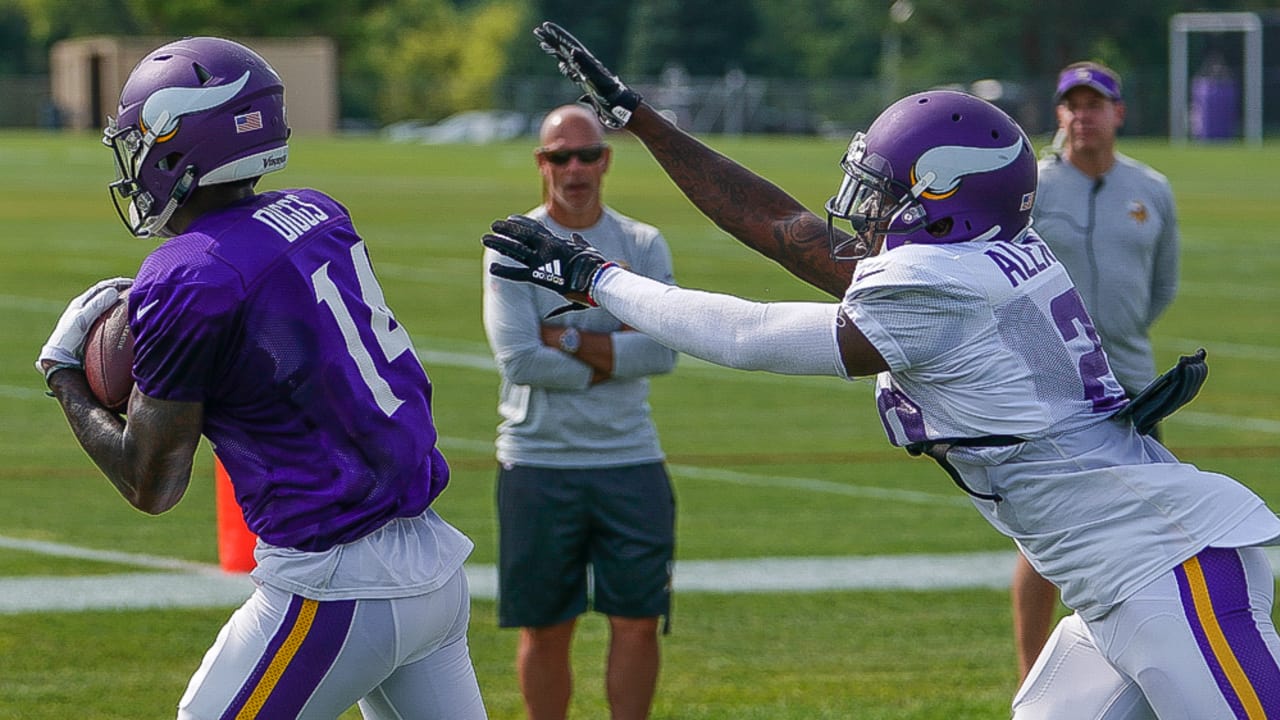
(987,361)
(259,323)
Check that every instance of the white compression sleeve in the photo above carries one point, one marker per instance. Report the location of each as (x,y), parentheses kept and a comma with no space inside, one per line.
(791,338)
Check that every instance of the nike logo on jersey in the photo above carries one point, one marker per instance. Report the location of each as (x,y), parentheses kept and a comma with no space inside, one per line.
(868,274)
(147,308)
(549,273)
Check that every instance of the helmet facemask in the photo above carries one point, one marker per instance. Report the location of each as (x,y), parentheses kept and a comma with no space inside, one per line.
(872,202)
(131,148)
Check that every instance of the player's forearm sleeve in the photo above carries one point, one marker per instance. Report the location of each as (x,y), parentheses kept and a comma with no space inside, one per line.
(793,338)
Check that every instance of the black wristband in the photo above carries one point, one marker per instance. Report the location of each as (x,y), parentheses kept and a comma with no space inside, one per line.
(49,371)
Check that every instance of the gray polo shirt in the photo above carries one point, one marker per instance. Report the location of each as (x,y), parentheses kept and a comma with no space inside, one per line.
(551,415)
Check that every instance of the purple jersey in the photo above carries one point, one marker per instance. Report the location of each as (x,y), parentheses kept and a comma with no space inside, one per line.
(268,312)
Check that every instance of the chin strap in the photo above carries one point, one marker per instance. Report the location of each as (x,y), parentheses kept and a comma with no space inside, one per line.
(157,225)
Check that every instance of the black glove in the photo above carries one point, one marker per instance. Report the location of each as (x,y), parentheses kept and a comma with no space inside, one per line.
(1167,393)
(565,265)
(613,101)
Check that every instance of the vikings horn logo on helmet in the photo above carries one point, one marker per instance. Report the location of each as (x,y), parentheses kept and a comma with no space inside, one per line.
(164,108)
(948,164)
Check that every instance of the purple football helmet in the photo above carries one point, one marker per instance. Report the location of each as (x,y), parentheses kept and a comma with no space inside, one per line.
(936,167)
(199,111)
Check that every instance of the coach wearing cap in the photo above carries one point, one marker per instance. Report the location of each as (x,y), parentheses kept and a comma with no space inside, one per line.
(1111,221)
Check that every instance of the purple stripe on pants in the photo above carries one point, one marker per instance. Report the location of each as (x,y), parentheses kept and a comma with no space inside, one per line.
(1228,591)
(310,662)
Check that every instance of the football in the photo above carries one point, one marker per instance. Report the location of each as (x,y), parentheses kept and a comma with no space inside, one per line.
(108,356)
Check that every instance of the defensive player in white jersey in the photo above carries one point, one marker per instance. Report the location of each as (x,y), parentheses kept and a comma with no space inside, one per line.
(986,360)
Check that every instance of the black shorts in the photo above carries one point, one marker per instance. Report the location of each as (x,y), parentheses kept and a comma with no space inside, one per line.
(553,523)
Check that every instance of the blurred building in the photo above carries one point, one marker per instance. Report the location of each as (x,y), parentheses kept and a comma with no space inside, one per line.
(87,73)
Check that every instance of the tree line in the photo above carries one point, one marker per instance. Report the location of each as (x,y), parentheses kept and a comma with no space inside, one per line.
(429,58)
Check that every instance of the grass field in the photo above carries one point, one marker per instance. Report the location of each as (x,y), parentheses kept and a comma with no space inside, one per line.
(920,655)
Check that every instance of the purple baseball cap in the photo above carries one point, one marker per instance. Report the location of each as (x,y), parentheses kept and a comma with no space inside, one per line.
(1091,75)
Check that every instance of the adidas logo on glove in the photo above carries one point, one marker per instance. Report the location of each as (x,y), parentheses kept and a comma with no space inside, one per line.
(549,273)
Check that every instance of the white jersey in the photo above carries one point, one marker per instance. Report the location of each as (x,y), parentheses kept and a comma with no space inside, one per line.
(991,339)
(981,339)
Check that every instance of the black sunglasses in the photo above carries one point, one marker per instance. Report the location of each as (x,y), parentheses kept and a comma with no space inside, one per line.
(586,155)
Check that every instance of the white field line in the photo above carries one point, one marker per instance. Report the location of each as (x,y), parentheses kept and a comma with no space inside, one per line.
(1236,351)
(820,486)
(1194,417)
(696,472)
(150,562)
(483,362)
(183,584)
(195,585)
(1191,417)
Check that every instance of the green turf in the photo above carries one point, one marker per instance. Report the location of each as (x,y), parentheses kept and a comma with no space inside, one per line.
(767,657)
(763,466)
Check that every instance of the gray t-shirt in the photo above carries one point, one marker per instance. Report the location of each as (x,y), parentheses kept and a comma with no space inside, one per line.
(1118,238)
(551,415)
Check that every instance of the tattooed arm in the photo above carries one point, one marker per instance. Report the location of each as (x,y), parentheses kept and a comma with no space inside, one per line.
(146,458)
(755,211)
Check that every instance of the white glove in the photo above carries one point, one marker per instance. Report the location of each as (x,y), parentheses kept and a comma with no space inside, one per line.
(65,346)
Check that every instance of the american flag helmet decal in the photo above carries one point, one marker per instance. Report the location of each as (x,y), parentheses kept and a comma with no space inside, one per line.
(249,122)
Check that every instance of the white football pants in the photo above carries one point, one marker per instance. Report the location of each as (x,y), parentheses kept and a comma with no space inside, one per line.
(1196,644)
(284,656)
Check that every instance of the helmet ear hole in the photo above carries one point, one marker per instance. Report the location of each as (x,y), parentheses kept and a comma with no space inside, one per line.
(169,162)
(940,228)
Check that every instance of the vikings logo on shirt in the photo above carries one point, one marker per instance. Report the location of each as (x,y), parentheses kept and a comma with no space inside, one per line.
(1138,211)
(163,111)
(942,168)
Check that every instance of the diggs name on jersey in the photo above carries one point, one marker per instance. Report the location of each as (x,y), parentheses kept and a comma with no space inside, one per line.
(291,216)
(1020,261)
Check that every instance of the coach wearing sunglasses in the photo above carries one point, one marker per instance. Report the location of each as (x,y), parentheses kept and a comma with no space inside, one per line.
(582,484)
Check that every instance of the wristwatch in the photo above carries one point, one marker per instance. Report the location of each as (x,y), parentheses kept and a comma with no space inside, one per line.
(570,340)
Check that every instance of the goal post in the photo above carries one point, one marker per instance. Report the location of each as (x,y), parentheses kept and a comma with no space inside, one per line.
(1181,26)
